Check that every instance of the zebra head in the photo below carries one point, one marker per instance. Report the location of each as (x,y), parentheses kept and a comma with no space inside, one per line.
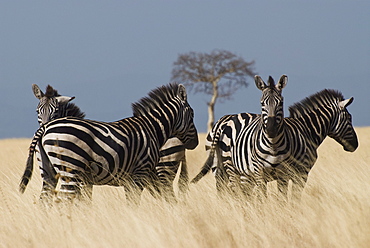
(185,129)
(50,103)
(342,130)
(271,103)
(168,106)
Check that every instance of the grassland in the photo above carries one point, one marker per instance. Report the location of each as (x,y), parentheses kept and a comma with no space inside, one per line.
(334,211)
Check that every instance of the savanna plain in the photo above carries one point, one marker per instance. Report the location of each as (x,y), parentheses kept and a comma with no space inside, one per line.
(334,210)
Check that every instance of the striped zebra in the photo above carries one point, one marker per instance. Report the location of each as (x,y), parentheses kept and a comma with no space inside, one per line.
(289,152)
(225,131)
(123,153)
(53,106)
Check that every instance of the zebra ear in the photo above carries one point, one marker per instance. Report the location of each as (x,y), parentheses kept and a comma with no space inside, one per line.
(181,92)
(259,83)
(343,104)
(282,82)
(64,99)
(37,91)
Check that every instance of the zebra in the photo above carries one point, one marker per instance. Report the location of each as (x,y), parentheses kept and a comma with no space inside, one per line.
(101,158)
(50,107)
(289,152)
(225,131)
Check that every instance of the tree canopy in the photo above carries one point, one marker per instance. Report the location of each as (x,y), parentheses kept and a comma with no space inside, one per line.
(219,74)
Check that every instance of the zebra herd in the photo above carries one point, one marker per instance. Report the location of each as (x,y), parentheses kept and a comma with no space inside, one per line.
(245,151)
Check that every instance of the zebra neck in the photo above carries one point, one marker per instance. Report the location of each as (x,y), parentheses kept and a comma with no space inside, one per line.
(279,136)
(160,130)
(315,128)
(69,109)
(277,140)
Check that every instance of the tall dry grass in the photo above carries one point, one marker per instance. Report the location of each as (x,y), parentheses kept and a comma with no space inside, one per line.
(334,211)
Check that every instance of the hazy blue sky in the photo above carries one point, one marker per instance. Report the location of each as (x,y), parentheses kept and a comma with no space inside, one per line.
(109,54)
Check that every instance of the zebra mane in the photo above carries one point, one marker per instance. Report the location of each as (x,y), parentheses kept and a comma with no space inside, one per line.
(74,111)
(154,98)
(70,108)
(323,98)
(50,92)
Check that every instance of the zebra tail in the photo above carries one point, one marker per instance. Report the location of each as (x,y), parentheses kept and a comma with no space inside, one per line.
(27,174)
(206,167)
(183,183)
(29,164)
(208,164)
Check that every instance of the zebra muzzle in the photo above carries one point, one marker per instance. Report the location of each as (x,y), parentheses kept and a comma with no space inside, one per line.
(271,127)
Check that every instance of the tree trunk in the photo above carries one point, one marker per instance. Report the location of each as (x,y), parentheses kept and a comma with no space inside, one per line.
(211,106)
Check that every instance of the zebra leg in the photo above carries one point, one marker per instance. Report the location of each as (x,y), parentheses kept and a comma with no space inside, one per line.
(222,176)
(165,174)
(73,185)
(85,192)
(183,179)
(247,184)
(49,182)
(282,184)
(261,190)
(68,190)
(233,181)
(48,175)
(85,186)
(298,183)
(167,189)
(48,190)
(261,185)
(221,179)
(133,189)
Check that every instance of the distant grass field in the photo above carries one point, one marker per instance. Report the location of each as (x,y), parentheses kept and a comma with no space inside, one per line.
(334,211)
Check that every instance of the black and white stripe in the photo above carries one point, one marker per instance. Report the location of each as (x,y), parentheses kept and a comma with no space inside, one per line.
(223,135)
(53,106)
(85,152)
(291,152)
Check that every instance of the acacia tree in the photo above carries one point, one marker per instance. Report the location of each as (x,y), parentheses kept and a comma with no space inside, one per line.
(219,74)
